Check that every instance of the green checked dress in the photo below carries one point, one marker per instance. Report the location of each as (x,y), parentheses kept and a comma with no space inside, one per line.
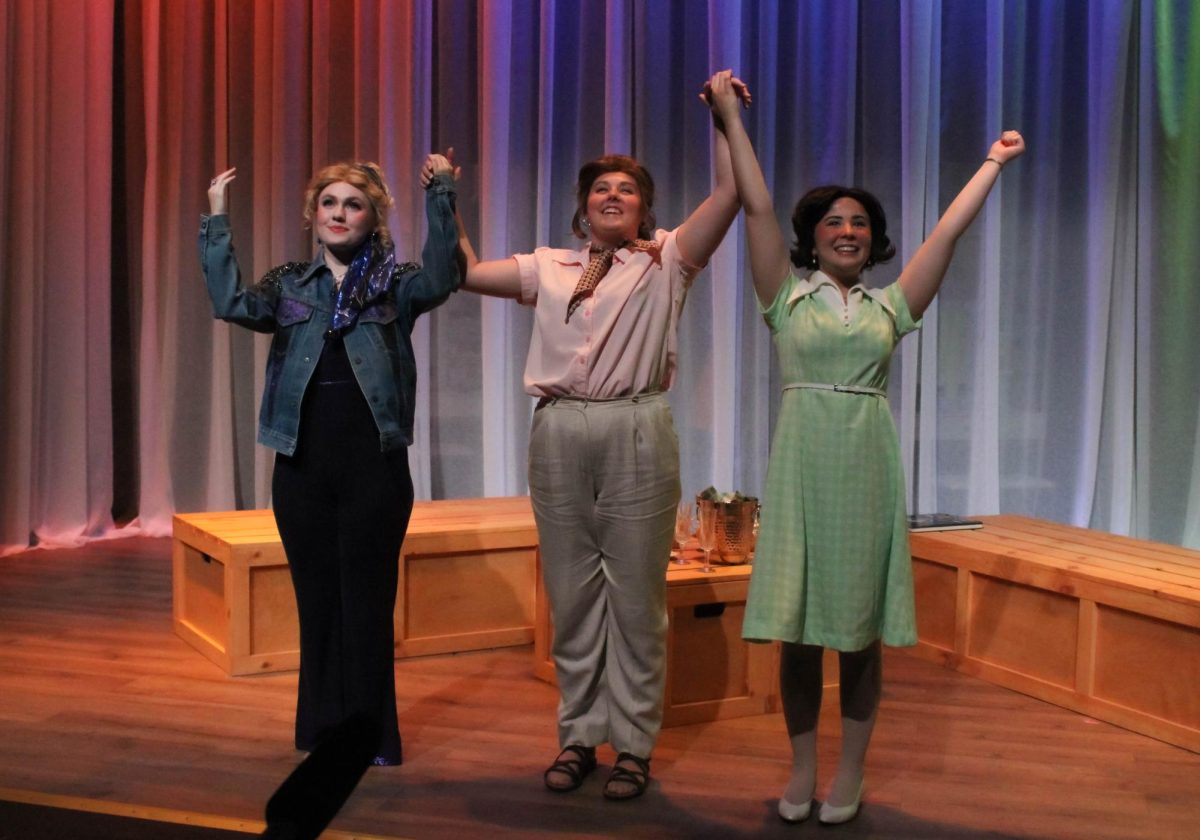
(832,566)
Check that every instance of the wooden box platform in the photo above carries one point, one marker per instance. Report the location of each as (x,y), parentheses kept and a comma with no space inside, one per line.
(1105,625)
(467,581)
(711,672)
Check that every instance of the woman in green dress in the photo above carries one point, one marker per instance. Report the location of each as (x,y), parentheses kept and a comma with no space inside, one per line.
(832,567)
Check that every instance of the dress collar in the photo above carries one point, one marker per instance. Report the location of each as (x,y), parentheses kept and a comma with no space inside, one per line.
(809,285)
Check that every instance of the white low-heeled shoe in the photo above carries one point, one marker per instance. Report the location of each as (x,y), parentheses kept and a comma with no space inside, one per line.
(792,813)
(835,814)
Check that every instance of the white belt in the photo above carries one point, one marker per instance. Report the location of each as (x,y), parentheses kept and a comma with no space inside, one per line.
(845,389)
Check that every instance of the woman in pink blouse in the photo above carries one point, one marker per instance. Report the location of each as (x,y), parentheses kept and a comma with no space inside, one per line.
(603,455)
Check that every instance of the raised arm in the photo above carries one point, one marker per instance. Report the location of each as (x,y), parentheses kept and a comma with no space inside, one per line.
(702,232)
(922,277)
(497,278)
(218,192)
(252,307)
(769,257)
(441,270)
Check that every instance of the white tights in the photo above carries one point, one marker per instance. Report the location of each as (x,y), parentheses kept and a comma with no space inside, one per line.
(800,683)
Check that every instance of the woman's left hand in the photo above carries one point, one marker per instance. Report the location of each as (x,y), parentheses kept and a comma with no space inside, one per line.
(436,164)
(1010,145)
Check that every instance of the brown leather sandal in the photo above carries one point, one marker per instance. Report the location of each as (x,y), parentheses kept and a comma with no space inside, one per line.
(574,762)
(616,786)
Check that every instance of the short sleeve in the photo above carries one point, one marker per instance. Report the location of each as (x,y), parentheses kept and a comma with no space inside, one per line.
(903,317)
(668,241)
(776,312)
(527,265)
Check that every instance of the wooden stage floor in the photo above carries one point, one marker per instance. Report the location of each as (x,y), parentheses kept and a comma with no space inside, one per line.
(103,708)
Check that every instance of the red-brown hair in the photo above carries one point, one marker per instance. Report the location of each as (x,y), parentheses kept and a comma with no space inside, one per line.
(615,163)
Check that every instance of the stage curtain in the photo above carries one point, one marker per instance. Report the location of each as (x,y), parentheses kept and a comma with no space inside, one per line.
(56,138)
(1057,375)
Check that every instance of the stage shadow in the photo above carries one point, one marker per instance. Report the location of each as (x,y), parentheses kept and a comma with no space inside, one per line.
(309,798)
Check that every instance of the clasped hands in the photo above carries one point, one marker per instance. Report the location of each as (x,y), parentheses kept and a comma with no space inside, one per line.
(723,92)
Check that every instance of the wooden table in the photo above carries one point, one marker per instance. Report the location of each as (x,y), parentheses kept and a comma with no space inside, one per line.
(467,581)
(1106,625)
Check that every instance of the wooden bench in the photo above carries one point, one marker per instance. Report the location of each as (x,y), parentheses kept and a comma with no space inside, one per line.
(711,672)
(468,571)
(1105,625)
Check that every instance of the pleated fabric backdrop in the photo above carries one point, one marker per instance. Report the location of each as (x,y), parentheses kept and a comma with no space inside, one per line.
(1058,374)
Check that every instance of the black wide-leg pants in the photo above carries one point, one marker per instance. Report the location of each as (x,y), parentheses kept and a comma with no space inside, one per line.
(342,508)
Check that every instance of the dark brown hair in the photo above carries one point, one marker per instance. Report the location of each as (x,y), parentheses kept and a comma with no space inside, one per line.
(813,206)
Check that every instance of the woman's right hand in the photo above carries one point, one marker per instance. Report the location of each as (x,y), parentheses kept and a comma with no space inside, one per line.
(218,190)
(723,93)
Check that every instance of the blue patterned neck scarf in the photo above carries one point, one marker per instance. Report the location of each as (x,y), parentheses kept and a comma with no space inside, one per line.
(367,279)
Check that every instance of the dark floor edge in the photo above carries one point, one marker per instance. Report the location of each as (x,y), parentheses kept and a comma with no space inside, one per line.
(154,814)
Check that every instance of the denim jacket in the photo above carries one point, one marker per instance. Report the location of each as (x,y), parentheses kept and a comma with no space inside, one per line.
(294,301)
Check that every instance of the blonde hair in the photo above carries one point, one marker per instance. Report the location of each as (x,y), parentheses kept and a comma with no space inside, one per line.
(362,175)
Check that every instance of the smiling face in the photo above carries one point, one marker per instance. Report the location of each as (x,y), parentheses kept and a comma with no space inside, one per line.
(614,208)
(842,240)
(344,218)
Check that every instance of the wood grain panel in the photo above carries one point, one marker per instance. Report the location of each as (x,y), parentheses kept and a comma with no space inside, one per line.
(708,654)
(935,587)
(1103,624)
(476,593)
(1027,630)
(242,614)
(203,605)
(1149,665)
(274,625)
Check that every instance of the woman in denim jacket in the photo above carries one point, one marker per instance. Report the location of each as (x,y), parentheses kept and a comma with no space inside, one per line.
(338,409)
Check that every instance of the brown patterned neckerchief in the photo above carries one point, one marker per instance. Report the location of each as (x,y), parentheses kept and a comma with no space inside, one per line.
(599,264)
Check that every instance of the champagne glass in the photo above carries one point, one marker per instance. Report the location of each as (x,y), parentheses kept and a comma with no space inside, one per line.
(707,534)
(685,526)
(754,533)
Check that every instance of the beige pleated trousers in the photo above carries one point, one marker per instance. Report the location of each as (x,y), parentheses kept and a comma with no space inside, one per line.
(604,481)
